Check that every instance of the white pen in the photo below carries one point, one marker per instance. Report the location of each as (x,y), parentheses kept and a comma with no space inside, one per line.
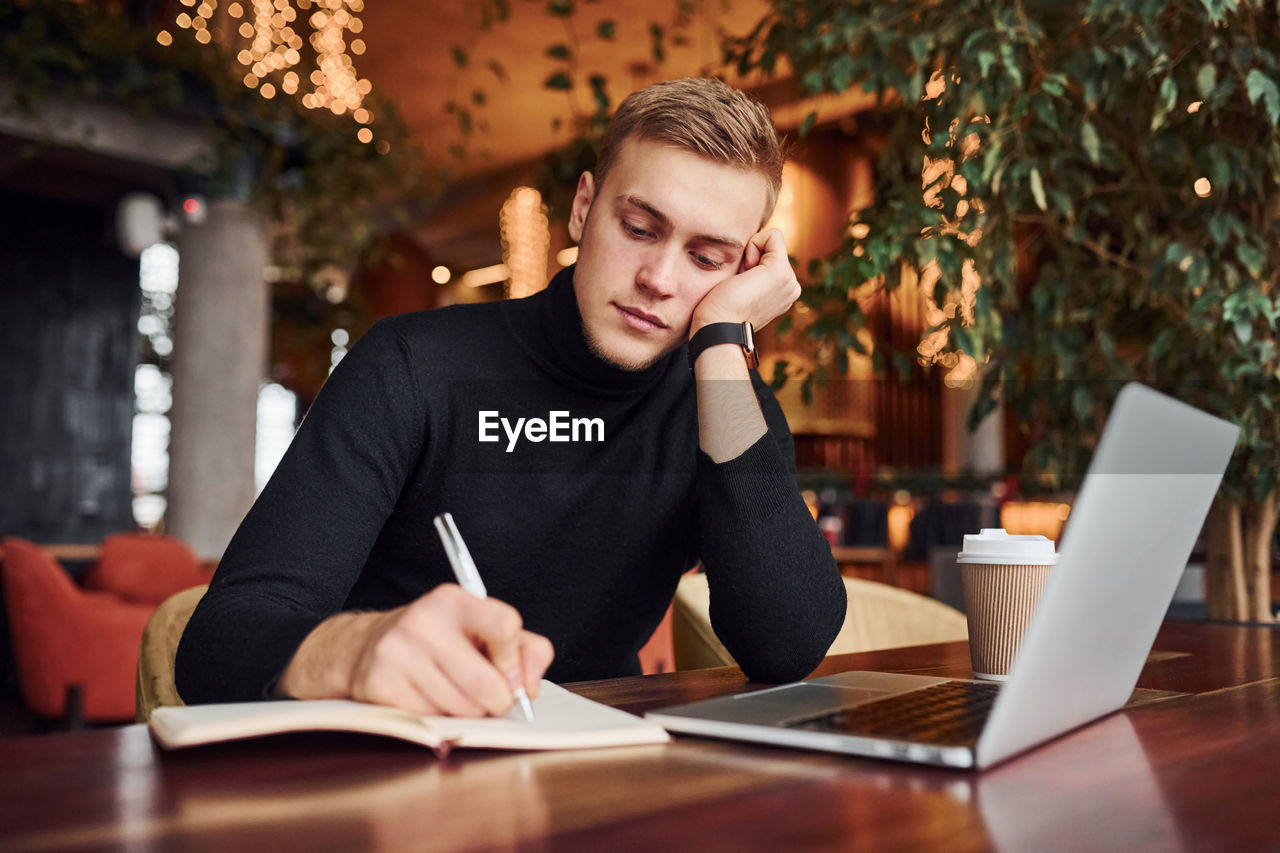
(464,568)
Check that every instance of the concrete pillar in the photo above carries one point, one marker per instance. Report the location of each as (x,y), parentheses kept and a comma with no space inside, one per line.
(980,452)
(222,317)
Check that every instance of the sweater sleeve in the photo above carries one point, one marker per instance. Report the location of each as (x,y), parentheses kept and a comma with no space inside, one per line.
(777,598)
(300,549)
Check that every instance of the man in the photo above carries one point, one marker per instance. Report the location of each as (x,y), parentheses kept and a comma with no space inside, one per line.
(586,465)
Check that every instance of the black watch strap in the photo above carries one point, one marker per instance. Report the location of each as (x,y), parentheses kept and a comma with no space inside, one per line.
(715,334)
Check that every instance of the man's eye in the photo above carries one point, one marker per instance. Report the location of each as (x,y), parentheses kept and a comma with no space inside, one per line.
(634,230)
(705,262)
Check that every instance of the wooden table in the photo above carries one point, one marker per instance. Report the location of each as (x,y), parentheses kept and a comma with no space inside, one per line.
(1192,764)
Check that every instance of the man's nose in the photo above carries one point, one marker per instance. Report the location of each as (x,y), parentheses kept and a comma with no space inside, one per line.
(657,274)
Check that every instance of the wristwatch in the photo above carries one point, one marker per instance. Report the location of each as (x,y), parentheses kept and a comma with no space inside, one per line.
(715,334)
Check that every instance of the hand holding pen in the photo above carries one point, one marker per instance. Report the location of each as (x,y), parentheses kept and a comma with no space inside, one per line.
(447,653)
(468,575)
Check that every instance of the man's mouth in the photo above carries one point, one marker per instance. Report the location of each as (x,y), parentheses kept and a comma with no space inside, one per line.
(641,321)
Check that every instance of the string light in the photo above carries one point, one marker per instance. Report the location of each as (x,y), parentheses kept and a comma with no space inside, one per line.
(261,33)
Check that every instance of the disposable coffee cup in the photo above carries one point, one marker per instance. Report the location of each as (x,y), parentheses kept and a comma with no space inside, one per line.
(1003,575)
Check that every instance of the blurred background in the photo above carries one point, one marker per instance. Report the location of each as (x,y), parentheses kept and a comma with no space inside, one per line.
(998,215)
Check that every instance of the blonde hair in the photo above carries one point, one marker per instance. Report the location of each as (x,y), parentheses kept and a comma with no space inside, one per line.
(705,117)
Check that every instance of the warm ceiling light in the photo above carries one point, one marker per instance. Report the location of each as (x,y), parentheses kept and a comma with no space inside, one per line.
(526,239)
(568,256)
(365,135)
(1203,188)
(485,275)
(267,44)
(441,275)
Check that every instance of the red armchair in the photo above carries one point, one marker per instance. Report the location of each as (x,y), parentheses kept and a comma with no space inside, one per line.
(144,568)
(67,638)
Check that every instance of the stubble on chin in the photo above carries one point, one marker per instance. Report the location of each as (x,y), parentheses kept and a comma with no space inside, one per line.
(598,350)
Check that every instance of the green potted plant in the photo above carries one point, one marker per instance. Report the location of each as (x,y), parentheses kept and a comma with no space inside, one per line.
(1090,192)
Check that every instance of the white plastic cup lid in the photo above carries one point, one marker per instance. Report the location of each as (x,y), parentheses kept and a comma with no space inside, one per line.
(995,546)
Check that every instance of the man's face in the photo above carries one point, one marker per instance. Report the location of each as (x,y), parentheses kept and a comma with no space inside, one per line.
(664,228)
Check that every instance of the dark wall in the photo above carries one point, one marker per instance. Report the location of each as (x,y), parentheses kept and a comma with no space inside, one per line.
(69,303)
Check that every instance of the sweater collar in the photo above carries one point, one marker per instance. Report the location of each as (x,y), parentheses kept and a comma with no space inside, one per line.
(549,326)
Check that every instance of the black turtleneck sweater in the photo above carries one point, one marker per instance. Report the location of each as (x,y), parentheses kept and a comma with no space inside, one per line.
(586,539)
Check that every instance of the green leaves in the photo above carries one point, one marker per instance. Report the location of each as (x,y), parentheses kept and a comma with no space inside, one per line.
(1037,189)
(1252,257)
(1102,253)
(558,81)
(807,124)
(1207,80)
(656,36)
(1091,143)
(597,82)
(1222,226)
(1261,87)
(1167,99)
(986,59)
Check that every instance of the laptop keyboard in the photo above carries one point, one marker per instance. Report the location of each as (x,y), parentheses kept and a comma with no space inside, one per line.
(949,714)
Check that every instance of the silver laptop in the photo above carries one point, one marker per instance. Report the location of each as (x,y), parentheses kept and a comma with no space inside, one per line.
(1142,504)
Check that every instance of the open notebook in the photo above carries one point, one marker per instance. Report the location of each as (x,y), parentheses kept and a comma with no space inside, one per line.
(563,720)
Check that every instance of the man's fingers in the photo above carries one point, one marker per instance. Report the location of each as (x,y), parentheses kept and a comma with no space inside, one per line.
(438,692)
(770,243)
(752,254)
(402,676)
(449,653)
(486,647)
(495,627)
(472,674)
(536,654)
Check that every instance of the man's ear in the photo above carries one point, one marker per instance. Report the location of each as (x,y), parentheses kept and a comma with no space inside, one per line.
(581,205)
